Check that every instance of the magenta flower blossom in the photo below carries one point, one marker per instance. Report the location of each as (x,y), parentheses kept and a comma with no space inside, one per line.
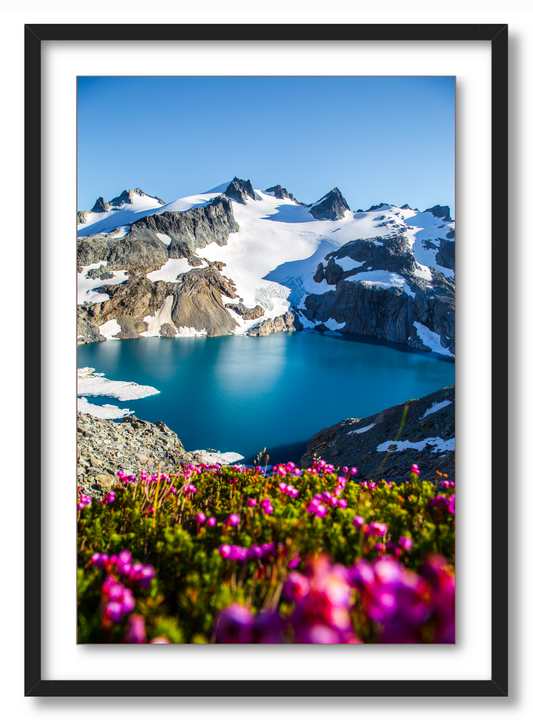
(282,487)
(251,502)
(136,632)
(345,470)
(358,522)
(440,502)
(321,511)
(295,561)
(233,519)
(266,503)
(297,472)
(200,518)
(234,625)
(451,506)
(405,543)
(225,551)
(343,503)
(268,510)
(212,521)
(296,586)
(377,529)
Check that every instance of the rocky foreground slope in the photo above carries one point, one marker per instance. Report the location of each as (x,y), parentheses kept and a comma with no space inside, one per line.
(133,445)
(255,262)
(427,439)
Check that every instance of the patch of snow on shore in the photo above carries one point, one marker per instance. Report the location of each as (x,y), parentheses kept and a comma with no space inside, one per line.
(191,332)
(91,383)
(110,329)
(226,458)
(106,412)
(164,238)
(431,340)
(435,407)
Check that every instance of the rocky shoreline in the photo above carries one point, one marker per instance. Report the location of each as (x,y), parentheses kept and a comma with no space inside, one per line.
(427,439)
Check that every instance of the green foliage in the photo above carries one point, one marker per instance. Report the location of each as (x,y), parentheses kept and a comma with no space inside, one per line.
(156,522)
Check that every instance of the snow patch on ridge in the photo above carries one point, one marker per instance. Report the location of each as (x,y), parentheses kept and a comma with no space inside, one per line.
(439,445)
(86,284)
(162,316)
(383,278)
(435,407)
(171,269)
(362,430)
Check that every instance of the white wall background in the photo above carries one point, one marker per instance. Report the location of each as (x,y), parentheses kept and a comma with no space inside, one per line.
(13,17)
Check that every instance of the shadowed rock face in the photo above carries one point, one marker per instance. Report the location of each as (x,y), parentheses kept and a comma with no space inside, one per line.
(239,190)
(281,193)
(100,206)
(189,230)
(440,211)
(446,254)
(384,313)
(355,442)
(142,251)
(331,207)
(82,216)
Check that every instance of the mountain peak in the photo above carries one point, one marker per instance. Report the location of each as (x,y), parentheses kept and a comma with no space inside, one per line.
(238,190)
(280,193)
(125,198)
(440,211)
(330,207)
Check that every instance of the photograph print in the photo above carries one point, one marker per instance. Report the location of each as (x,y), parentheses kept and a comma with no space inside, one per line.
(266,360)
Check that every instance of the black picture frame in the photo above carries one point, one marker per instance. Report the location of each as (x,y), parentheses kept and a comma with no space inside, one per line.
(497,36)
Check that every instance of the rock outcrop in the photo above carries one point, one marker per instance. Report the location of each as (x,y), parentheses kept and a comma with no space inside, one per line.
(281,193)
(193,303)
(141,250)
(383,294)
(331,207)
(133,445)
(239,190)
(427,438)
(289,322)
(440,211)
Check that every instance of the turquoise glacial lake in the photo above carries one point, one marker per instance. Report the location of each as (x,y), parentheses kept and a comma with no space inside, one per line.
(241,394)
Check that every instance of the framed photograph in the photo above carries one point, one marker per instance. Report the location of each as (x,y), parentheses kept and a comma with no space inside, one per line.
(265,360)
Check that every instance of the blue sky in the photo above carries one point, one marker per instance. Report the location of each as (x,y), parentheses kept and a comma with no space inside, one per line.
(378,139)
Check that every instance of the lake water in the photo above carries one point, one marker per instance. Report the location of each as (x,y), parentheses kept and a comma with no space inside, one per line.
(241,394)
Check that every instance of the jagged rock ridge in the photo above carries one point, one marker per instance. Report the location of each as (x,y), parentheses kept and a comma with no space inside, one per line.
(331,207)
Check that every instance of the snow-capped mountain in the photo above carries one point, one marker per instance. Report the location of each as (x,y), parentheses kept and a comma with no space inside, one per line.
(243,260)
